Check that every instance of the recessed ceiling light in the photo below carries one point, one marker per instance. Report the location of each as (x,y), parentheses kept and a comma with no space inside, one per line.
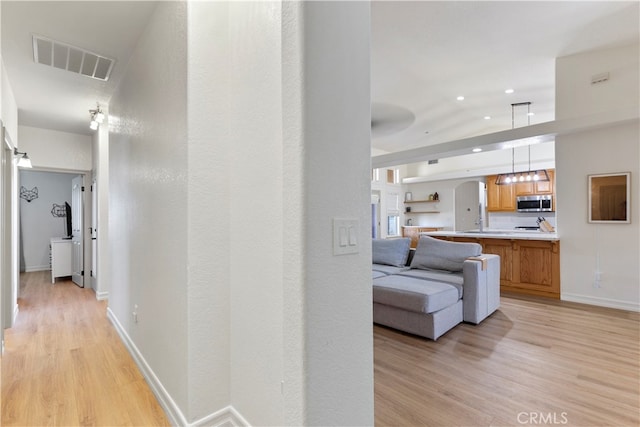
(487,117)
(477,150)
(460,98)
(531,114)
(509,91)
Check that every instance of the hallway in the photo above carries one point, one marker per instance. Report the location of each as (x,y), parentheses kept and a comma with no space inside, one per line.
(65,365)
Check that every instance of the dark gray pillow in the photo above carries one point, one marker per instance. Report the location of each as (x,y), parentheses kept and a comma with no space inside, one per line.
(436,254)
(391,251)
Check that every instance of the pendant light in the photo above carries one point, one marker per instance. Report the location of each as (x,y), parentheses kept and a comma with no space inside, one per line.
(529,175)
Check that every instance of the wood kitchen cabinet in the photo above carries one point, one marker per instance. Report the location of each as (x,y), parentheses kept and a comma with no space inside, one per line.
(527,266)
(537,187)
(414,233)
(500,198)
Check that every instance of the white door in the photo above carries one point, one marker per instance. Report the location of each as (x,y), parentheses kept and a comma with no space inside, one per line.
(469,205)
(77,252)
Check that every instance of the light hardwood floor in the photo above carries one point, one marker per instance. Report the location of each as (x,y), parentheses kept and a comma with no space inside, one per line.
(65,365)
(533,362)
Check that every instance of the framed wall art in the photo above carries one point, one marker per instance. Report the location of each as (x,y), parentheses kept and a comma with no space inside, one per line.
(610,198)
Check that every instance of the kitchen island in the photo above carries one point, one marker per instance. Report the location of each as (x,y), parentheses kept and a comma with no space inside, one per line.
(529,260)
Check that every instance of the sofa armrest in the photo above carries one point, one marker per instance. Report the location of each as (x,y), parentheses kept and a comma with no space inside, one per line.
(481,287)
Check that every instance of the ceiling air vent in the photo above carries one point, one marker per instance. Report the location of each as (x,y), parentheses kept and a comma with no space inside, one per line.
(66,57)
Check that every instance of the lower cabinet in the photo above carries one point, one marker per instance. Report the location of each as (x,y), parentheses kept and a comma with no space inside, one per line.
(529,267)
(414,233)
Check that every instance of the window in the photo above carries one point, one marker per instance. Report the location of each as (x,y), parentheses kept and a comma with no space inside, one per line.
(393,225)
(393,176)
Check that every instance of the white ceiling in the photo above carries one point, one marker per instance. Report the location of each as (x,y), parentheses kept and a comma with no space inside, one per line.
(424,54)
(56,99)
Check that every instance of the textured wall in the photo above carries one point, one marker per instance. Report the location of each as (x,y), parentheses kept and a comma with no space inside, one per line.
(209,186)
(56,150)
(612,249)
(148,199)
(336,184)
(266,116)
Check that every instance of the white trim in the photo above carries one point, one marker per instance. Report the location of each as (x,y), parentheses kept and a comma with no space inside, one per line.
(37,268)
(601,302)
(171,408)
(102,295)
(225,417)
(16,310)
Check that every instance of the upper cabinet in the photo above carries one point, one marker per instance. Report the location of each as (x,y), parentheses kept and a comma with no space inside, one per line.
(537,187)
(502,198)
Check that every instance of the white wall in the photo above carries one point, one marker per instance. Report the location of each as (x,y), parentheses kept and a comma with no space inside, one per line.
(255,320)
(485,163)
(335,173)
(37,223)
(50,149)
(11,261)
(613,249)
(577,97)
(100,172)
(9,107)
(209,214)
(256,346)
(148,196)
(446,205)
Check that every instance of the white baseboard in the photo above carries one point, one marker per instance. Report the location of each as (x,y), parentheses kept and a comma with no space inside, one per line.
(601,302)
(225,417)
(102,295)
(37,268)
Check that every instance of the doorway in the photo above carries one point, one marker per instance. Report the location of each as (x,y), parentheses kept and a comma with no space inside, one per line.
(43,218)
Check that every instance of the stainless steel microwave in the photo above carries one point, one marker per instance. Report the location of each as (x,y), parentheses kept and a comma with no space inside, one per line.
(539,203)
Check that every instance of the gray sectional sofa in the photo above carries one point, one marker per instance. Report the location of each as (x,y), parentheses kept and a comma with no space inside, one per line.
(431,290)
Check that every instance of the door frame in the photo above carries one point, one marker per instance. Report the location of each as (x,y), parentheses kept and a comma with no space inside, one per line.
(86,207)
(78,254)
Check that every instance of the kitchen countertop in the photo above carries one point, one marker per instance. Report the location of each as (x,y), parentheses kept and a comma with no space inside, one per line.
(497,234)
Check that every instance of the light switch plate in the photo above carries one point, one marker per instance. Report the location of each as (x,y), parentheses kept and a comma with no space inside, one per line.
(345,236)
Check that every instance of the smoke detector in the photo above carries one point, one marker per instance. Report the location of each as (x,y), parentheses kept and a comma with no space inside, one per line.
(71,58)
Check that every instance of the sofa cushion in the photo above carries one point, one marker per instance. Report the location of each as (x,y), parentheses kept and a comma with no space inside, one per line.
(388,269)
(437,254)
(417,295)
(391,251)
(375,274)
(451,278)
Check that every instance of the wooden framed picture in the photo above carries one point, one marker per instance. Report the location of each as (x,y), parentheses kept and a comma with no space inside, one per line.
(610,198)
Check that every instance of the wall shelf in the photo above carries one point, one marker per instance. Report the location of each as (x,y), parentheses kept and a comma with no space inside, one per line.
(421,201)
(420,212)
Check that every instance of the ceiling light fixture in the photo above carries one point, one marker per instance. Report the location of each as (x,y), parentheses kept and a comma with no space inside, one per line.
(24,161)
(487,117)
(97,118)
(460,98)
(477,150)
(509,91)
(529,175)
